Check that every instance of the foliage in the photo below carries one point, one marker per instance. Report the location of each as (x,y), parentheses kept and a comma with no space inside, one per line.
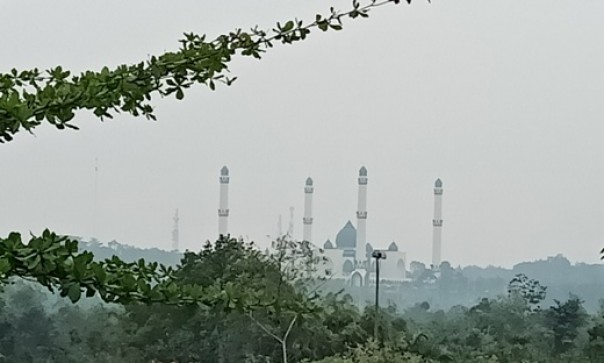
(30,97)
(230,302)
(565,319)
(280,305)
(504,329)
(373,353)
(467,285)
(529,290)
(54,262)
(595,344)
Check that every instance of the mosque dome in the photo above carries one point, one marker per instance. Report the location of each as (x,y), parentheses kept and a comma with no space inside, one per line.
(309,181)
(347,237)
(363,171)
(393,247)
(224,171)
(328,245)
(368,250)
(438,183)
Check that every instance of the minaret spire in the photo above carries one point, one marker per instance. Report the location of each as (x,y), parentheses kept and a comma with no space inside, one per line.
(362,218)
(223,209)
(307,220)
(437,224)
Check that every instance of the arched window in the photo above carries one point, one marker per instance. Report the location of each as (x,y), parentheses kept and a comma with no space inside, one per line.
(400,265)
(356,280)
(348,267)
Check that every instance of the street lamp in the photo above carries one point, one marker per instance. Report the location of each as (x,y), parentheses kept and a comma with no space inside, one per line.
(378,255)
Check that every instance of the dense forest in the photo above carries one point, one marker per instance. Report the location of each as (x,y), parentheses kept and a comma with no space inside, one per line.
(303,319)
(454,286)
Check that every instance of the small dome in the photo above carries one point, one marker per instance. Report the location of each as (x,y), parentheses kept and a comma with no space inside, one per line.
(393,247)
(347,237)
(363,171)
(309,181)
(438,183)
(328,245)
(224,171)
(368,250)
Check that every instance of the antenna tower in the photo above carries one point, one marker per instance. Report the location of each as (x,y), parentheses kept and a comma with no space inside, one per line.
(175,232)
(290,229)
(95,207)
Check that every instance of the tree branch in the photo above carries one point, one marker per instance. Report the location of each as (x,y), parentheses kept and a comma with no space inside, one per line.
(289,328)
(265,329)
(28,98)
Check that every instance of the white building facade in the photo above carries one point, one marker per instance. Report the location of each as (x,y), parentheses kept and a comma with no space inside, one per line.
(349,257)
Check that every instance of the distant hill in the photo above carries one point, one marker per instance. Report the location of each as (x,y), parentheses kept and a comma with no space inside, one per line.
(557,273)
(466,286)
(130,253)
(456,286)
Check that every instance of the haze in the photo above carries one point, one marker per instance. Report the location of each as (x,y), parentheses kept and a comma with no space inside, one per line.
(502,100)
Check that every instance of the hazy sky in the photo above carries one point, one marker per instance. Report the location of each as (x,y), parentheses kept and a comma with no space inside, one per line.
(503,100)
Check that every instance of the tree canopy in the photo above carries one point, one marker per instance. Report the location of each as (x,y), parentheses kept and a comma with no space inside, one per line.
(503,329)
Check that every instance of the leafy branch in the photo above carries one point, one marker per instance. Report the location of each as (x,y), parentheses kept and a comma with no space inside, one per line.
(30,97)
(54,262)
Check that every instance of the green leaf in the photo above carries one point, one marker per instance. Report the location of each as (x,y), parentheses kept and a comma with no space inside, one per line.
(99,273)
(288,26)
(35,262)
(5,265)
(74,293)
(179,94)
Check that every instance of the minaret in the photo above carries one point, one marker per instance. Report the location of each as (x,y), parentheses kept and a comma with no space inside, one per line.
(307,220)
(223,209)
(362,217)
(437,224)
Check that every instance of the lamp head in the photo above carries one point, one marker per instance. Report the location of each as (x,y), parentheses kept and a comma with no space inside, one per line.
(378,255)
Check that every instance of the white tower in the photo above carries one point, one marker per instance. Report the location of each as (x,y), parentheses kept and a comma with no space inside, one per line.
(223,209)
(437,224)
(362,218)
(307,220)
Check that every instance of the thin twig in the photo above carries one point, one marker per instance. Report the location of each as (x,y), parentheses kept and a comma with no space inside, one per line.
(264,328)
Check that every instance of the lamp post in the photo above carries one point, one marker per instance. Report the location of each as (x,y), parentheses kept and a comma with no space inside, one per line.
(378,255)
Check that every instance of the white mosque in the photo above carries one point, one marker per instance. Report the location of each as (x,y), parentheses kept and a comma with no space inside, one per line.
(349,258)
